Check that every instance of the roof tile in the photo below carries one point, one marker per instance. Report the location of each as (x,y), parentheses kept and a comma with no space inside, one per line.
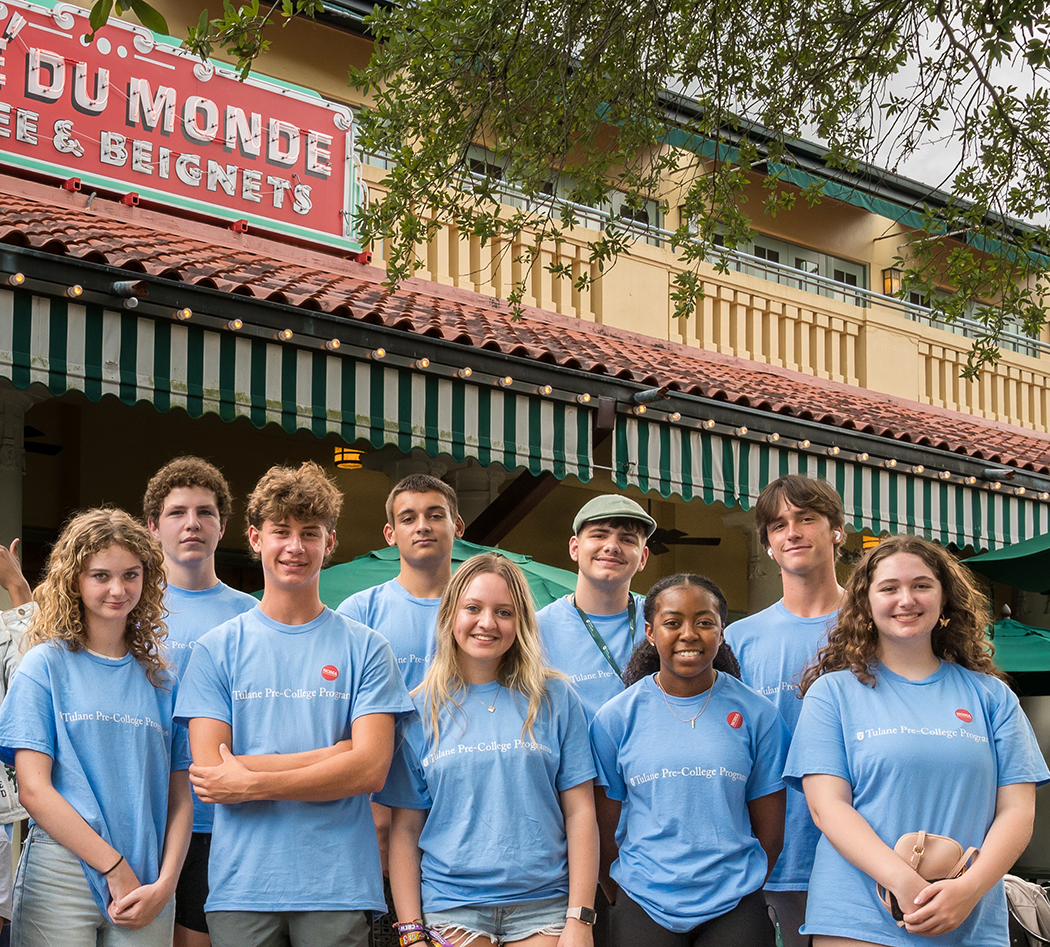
(148,242)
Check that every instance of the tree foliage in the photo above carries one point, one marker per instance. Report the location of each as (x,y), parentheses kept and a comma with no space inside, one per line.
(571,95)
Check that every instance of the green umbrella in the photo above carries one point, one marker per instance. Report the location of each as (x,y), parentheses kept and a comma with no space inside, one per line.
(338,582)
(1021,565)
(1021,648)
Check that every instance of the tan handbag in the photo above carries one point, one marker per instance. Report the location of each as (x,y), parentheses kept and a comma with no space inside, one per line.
(934,857)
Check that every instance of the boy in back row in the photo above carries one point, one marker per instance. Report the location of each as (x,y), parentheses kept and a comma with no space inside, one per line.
(801,523)
(186,507)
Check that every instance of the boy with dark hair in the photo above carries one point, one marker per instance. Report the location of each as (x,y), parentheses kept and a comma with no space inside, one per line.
(802,525)
(186,507)
(422,521)
(291,711)
(590,635)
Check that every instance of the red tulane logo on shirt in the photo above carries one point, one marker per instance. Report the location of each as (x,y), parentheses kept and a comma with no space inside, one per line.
(329,672)
(735,720)
(964,715)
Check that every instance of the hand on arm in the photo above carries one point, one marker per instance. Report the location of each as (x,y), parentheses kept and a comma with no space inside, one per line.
(64,824)
(944,905)
(349,768)
(830,801)
(767,822)
(405,880)
(581,830)
(608,813)
(11,578)
(141,905)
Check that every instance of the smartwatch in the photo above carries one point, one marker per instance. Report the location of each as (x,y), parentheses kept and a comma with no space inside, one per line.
(585,915)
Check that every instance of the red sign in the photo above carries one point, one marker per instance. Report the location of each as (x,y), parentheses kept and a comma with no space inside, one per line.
(132,113)
(735,720)
(329,672)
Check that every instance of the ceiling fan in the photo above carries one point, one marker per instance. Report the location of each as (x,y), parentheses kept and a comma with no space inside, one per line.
(663,538)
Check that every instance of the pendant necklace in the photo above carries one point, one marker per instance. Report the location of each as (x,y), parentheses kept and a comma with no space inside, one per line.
(689,720)
(491,708)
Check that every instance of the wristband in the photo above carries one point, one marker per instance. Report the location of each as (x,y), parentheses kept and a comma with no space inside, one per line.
(411,932)
(114,868)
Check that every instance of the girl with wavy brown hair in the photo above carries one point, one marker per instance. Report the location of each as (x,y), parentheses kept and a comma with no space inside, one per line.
(101,768)
(907,726)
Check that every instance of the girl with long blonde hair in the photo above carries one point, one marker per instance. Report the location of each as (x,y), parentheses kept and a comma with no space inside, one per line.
(493,836)
(101,768)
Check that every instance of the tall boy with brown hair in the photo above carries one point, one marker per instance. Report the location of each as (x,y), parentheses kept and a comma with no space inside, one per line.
(802,524)
(291,711)
(422,521)
(186,507)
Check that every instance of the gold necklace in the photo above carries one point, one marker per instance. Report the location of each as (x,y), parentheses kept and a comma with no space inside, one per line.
(491,708)
(689,720)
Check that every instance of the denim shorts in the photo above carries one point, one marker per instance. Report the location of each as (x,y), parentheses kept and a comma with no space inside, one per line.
(54,906)
(501,923)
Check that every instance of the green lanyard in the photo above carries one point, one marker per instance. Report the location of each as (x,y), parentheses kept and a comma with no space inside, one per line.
(599,640)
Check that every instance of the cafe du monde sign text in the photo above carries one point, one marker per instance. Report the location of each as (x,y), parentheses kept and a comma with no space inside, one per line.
(131,113)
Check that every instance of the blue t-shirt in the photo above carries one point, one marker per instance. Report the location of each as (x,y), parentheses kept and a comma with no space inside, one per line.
(110,734)
(407,622)
(687,851)
(569,647)
(190,614)
(774,647)
(495,833)
(286,689)
(927,754)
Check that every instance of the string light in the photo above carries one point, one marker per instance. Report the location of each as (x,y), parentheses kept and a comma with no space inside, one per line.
(891,463)
(772,438)
(377,354)
(332,345)
(75,291)
(284,335)
(234,324)
(708,424)
(674,416)
(184,314)
(638,409)
(583,399)
(862,456)
(832,452)
(16,279)
(465,372)
(918,469)
(505,382)
(945,475)
(544,390)
(970,481)
(422,363)
(803,444)
(740,431)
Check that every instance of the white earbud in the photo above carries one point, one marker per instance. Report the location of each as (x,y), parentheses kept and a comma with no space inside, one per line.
(838,536)
(769,552)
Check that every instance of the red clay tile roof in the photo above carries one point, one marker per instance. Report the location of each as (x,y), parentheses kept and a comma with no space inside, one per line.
(143,241)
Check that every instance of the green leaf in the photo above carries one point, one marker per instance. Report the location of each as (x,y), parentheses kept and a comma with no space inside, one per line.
(99,15)
(149,17)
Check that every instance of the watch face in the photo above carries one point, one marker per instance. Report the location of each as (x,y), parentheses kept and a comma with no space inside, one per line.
(586,915)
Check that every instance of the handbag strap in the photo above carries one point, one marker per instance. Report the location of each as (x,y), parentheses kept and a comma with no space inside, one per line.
(962,864)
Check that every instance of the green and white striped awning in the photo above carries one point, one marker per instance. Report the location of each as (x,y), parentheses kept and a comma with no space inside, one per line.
(701,465)
(67,346)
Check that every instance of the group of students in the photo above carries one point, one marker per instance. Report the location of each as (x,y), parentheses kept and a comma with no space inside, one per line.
(611,760)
